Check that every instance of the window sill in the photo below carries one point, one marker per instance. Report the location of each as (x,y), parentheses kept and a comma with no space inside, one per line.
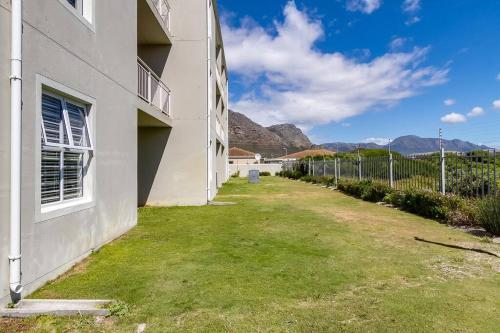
(52,211)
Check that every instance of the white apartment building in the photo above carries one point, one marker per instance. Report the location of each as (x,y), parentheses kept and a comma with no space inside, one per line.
(122,103)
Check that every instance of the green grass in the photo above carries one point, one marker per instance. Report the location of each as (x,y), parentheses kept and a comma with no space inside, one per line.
(288,257)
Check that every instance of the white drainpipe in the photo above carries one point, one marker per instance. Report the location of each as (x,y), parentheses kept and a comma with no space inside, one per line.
(209,100)
(15,155)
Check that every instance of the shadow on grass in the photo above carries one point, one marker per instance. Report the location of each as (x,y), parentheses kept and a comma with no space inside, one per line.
(458,247)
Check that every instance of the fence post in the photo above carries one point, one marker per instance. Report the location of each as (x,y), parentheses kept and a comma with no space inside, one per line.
(324,167)
(359,169)
(309,167)
(443,172)
(339,165)
(313,171)
(495,172)
(336,178)
(391,171)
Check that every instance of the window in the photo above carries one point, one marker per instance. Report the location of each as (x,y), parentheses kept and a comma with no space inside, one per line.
(83,8)
(66,149)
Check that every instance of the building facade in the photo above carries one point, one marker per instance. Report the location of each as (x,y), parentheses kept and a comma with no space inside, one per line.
(124,103)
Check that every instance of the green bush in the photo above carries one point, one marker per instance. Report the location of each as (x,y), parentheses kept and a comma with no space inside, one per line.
(375,192)
(264,174)
(488,214)
(447,208)
(295,174)
(366,190)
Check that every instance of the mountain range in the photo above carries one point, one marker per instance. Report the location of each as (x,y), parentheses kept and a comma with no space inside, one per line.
(407,145)
(275,140)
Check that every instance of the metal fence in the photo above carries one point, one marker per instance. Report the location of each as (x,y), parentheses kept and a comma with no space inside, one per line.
(151,89)
(472,174)
(163,8)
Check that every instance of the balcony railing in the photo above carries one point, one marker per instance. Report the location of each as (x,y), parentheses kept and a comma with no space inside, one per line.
(219,129)
(151,89)
(163,9)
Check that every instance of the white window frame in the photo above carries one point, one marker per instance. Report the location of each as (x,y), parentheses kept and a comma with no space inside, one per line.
(63,207)
(84,10)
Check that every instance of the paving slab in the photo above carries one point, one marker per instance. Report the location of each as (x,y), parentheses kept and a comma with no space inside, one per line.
(52,307)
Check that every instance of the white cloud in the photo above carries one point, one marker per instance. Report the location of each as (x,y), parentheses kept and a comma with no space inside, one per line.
(412,20)
(496,104)
(295,82)
(449,102)
(453,118)
(498,77)
(364,6)
(379,141)
(397,43)
(476,112)
(411,6)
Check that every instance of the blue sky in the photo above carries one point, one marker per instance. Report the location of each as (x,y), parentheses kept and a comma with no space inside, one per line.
(355,70)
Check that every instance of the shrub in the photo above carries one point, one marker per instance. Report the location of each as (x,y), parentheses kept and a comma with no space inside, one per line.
(264,174)
(488,214)
(447,208)
(295,174)
(375,192)
(426,203)
(366,190)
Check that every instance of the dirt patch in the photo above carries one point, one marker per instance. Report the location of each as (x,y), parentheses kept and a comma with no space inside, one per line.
(10,325)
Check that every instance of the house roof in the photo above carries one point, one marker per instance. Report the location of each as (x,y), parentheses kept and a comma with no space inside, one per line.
(240,153)
(309,153)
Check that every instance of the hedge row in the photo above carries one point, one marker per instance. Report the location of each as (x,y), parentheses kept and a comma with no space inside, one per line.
(450,209)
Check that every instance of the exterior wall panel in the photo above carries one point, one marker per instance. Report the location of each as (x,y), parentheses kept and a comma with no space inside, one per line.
(100,64)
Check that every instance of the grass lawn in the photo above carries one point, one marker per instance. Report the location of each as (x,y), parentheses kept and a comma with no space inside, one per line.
(288,257)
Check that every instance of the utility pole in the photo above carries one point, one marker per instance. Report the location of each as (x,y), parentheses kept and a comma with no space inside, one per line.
(443,162)
(391,166)
(360,174)
(440,139)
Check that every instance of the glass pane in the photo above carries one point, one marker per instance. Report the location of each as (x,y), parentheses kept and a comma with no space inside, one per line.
(78,125)
(51,176)
(73,175)
(53,121)
(72,3)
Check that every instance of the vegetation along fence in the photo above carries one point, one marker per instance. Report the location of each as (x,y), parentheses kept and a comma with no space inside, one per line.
(472,174)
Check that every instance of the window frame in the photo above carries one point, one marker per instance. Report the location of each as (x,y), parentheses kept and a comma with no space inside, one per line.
(71,146)
(84,12)
(48,211)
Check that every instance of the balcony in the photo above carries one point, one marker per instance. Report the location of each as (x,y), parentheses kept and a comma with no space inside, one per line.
(152,90)
(163,9)
(153,22)
(219,129)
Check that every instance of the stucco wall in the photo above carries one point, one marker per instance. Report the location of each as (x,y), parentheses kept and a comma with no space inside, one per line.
(181,171)
(100,64)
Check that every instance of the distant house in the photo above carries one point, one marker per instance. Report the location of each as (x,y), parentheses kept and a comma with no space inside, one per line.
(307,153)
(241,156)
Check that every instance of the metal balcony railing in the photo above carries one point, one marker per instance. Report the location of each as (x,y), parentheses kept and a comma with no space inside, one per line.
(151,89)
(163,9)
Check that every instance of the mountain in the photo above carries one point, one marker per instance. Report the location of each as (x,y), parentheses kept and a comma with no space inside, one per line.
(272,141)
(291,135)
(408,145)
(269,142)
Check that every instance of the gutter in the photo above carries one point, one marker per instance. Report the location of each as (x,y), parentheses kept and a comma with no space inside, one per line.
(15,150)
(209,101)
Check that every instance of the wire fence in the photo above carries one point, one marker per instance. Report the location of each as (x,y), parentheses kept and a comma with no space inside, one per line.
(472,174)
